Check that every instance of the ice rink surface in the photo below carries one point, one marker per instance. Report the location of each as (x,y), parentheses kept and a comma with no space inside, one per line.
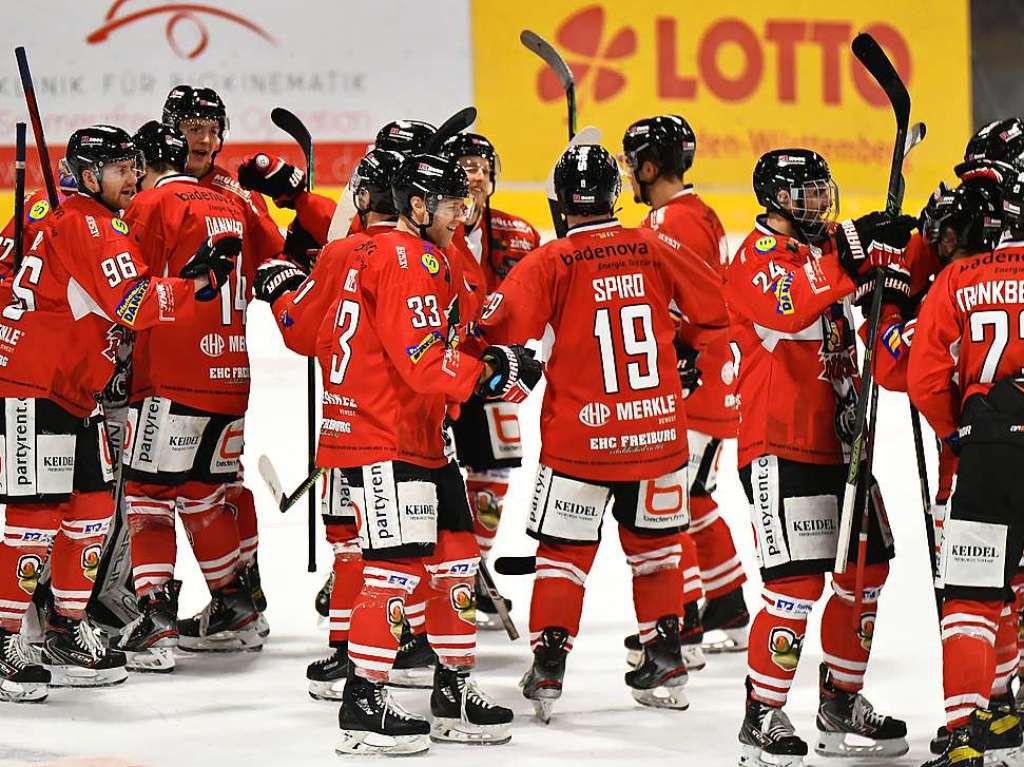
(253,710)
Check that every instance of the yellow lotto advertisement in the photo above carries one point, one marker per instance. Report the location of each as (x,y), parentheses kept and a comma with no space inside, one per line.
(748,76)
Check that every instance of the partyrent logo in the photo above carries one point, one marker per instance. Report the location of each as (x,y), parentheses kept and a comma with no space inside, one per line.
(186,31)
(590,56)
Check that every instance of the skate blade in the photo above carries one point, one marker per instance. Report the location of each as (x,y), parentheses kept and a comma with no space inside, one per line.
(662,697)
(247,640)
(725,640)
(835,744)
(326,690)
(1004,757)
(364,743)
(23,692)
(450,730)
(542,708)
(77,676)
(693,656)
(155,660)
(488,622)
(261,627)
(752,756)
(418,678)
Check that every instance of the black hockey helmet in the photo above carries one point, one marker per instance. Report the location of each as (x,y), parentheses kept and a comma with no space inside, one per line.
(187,103)
(1012,198)
(667,141)
(797,184)
(473,145)
(94,147)
(162,144)
(407,137)
(374,175)
(587,181)
(1000,140)
(433,179)
(973,212)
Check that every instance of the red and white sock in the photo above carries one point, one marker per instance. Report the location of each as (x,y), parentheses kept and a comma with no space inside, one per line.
(77,549)
(657,577)
(720,568)
(378,615)
(29,530)
(689,565)
(558,588)
(846,652)
(486,490)
(968,656)
(211,530)
(239,499)
(151,534)
(451,608)
(1007,655)
(348,578)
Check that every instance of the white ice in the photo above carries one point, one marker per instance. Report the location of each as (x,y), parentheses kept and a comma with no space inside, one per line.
(253,710)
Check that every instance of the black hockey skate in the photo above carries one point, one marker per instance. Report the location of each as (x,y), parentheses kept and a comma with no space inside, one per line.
(767,737)
(487,618)
(372,723)
(725,621)
(965,746)
(842,713)
(691,633)
(226,624)
(22,680)
(149,640)
(259,599)
(463,714)
(76,657)
(1004,745)
(327,675)
(658,680)
(322,603)
(542,684)
(415,662)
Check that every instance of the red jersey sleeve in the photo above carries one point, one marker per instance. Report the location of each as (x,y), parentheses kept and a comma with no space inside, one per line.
(411,294)
(697,292)
(783,289)
(523,304)
(933,362)
(314,212)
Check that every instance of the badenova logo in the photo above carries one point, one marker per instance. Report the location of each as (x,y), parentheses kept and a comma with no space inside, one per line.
(186,30)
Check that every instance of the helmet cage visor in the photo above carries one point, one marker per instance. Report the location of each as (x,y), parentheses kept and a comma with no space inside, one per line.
(813,205)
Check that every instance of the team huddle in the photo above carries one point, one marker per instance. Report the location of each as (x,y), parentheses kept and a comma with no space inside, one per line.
(417,299)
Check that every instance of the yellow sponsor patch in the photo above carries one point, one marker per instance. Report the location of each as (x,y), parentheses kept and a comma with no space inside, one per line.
(784,295)
(39,210)
(430,263)
(119,225)
(128,309)
(765,244)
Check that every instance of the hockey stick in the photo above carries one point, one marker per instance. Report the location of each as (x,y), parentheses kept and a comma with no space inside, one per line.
(19,195)
(276,488)
(538,45)
(499,602)
(37,125)
(457,123)
(293,126)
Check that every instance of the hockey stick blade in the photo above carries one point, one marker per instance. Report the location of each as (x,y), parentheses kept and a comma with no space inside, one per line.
(271,479)
(526,565)
(915,135)
(551,57)
(37,125)
(289,122)
(874,59)
(457,123)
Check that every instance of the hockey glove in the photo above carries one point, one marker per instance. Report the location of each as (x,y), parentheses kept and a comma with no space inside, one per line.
(515,373)
(274,278)
(689,373)
(300,246)
(874,241)
(273,177)
(895,289)
(215,261)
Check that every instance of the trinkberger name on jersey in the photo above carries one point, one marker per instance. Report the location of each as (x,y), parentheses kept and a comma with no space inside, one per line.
(990,293)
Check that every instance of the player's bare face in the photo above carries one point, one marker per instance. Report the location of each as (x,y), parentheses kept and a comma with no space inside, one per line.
(119,182)
(478,170)
(203,140)
(449,214)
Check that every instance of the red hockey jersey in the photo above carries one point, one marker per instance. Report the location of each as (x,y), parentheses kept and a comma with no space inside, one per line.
(796,344)
(263,240)
(202,363)
(511,238)
(687,221)
(613,407)
(391,368)
(83,274)
(970,333)
(37,214)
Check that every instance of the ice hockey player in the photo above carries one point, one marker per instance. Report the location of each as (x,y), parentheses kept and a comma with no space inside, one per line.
(788,289)
(200,114)
(394,373)
(613,424)
(82,276)
(185,418)
(305,309)
(659,151)
(974,399)
(486,434)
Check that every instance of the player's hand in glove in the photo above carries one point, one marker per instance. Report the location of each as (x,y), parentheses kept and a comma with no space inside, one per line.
(874,241)
(300,246)
(274,278)
(689,373)
(510,373)
(273,177)
(214,261)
